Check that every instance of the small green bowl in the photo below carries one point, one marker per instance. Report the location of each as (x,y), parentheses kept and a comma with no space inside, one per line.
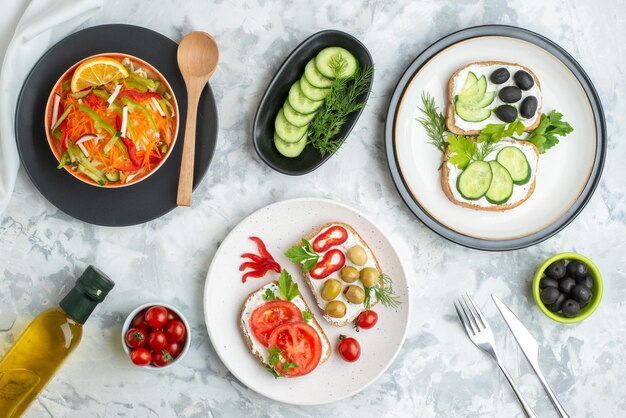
(597,288)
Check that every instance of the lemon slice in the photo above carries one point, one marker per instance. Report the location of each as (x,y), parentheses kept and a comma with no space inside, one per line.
(96,72)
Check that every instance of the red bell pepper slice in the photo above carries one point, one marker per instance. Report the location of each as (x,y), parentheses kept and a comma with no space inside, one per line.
(332,261)
(63,128)
(132,152)
(138,96)
(335,235)
(262,249)
(254,273)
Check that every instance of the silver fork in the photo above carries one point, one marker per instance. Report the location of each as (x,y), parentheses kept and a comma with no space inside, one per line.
(479,332)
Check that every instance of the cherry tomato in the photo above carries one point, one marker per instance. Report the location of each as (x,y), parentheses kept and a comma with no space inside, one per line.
(332,261)
(300,344)
(171,315)
(175,331)
(174,348)
(139,321)
(270,315)
(349,348)
(141,356)
(161,358)
(335,235)
(157,340)
(136,337)
(366,320)
(156,316)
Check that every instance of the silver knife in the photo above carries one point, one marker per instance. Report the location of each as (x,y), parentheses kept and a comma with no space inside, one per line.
(530,348)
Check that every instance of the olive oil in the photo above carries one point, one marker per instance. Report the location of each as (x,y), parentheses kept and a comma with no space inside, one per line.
(45,344)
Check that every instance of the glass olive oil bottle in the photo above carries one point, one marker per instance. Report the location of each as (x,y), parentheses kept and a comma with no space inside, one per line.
(45,344)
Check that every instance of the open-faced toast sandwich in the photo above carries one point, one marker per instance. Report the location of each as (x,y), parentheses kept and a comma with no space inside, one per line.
(488,92)
(280,330)
(342,272)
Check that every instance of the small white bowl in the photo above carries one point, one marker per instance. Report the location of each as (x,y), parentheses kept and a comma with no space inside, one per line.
(127,326)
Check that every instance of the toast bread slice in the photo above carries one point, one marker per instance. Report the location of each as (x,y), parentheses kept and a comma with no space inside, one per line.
(445,183)
(450,119)
(321,303)
(248,337)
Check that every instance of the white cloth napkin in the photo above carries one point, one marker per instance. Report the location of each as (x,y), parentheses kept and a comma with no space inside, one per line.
(43,23)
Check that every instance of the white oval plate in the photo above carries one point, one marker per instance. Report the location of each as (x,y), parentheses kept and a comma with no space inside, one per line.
(281,225)
(563,171)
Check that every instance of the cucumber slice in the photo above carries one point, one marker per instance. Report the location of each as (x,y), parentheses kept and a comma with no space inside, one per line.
(315,77)
(312,92)
(474,93)
(474,182)
(501,187)
(300,102)
(324,61)
(514,160)
(486,100)
(113,176)
(290,149)
(470,81)
(296,118)
(287,131)
(470,113)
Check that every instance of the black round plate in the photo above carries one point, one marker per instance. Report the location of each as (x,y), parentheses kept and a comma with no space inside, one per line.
(598,114)
(274,98)
(134,204)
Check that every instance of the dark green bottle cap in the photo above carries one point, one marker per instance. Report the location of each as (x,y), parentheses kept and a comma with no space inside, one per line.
(90,289)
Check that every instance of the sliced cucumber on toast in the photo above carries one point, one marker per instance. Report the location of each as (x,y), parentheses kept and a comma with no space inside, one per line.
(514,160)
(501,187)
(471,103)
(475,180)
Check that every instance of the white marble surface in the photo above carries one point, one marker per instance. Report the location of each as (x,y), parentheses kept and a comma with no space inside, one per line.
(438,372)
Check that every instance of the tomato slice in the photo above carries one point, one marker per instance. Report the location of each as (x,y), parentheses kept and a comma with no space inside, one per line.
(300,344)
(332,261)
(270,315)
(335,235)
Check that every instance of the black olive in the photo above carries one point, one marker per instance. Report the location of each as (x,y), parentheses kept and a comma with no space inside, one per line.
(566,284)
(570,308)
(549,295)
(510,94)
(506,113)
(523,80)
(586,281)
(528,107)
(577,269)
(581,293)
(548,282)
(499,76)
(556,270)
(556,306)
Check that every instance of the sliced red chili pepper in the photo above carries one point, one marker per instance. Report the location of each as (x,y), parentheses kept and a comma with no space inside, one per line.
(254,273)
(335,235)
(63,128)
(252,257)
(138,96)
(262,249)
(332,261)
(118,123)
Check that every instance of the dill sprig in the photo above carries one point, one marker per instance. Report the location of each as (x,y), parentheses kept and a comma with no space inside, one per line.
(342,100)
(383,291)
(433,122)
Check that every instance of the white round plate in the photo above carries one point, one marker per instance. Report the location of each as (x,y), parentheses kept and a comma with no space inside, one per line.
(563,173)
(280,226)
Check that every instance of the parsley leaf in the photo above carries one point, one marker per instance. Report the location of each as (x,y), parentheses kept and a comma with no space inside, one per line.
(274,355)
(462,150)
(303,254)
(307,316)
(269,295)
(274,372)
(288,288)
(494,132)
(288,366)
(551,125)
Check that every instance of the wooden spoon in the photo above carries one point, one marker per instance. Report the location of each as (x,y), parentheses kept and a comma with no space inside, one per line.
(197,59)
